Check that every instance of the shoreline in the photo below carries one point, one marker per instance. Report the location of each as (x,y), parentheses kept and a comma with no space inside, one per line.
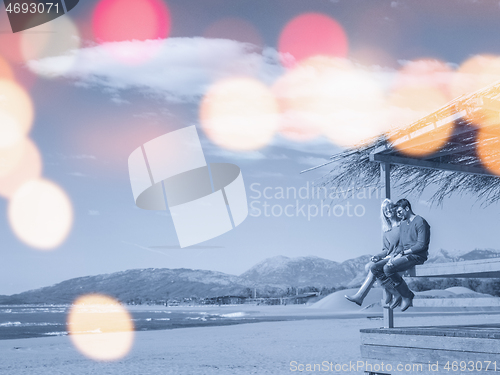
(153,318)
(259,348)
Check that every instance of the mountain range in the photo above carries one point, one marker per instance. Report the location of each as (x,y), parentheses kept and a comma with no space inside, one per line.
(272,276)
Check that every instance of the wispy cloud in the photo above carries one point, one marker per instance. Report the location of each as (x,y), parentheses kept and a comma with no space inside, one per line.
(77,174)
(310,160)
(93,213)
(338,101)
(263,174)
(181,69)
(317,146)
(147,248)
(82,156)
(212,150)
(78,156)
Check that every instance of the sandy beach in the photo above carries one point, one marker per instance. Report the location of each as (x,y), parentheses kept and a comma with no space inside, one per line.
(306,336)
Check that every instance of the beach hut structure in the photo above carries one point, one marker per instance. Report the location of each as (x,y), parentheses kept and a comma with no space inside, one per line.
(455,149)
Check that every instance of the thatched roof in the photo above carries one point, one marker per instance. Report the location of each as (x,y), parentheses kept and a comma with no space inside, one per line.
(455,168)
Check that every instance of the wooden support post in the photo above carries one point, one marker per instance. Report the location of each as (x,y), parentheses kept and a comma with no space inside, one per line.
(385,175)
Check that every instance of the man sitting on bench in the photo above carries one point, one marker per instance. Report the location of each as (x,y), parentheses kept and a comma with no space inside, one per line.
(413,249)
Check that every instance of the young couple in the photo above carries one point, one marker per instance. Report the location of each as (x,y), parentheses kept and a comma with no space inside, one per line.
(405,244)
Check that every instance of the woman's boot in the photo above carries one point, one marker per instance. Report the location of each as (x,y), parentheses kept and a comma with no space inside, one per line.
(363,291)
(407,295)
(393,293)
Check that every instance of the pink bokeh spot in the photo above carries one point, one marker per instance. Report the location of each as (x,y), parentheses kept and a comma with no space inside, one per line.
(312,34)
(122,20)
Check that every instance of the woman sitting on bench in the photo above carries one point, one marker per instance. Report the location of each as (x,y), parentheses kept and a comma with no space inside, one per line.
(390,226)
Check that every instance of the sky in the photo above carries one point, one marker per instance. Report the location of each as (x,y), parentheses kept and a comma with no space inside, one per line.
(99,89)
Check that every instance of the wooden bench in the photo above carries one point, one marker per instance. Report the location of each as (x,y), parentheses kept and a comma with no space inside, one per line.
(483,268)
(472,346)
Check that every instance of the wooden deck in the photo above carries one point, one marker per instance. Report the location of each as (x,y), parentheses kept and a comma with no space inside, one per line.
(470,346)
(471,349)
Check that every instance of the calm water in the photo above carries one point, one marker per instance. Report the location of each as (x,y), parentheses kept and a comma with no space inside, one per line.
(42,321)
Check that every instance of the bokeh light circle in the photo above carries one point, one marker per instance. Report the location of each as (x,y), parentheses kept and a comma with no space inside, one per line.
(126,20)
(312,34)
(10,43)
(16,113)
(59,37)
(239,114)
(100,328)
(11,156)
(5,70)
(40,214)
(330,96)
(24,164)
(425,72)
(488,147)
(475,73)
(409,104)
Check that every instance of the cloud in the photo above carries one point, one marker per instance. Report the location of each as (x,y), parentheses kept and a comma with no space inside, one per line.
(312,161)
(278,157)
(181,69)
(317,146)
(94,213)
(211,149)
(83,156)
(77,174)
(262,174)
(339,102)
(78,156)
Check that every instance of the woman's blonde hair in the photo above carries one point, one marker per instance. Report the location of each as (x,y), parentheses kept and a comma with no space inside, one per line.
(386,222)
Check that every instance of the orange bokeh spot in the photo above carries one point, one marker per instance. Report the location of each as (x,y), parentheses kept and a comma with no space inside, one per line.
(330,96)
(16,113)
(425,72)
(5,70)
(234,28)
(410,104)
(10,46)
(488,147)
(312,34)
(475,73)
(239,114)
(40,214)
(100,328)
(11,156)
(122,20)
(18,171)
